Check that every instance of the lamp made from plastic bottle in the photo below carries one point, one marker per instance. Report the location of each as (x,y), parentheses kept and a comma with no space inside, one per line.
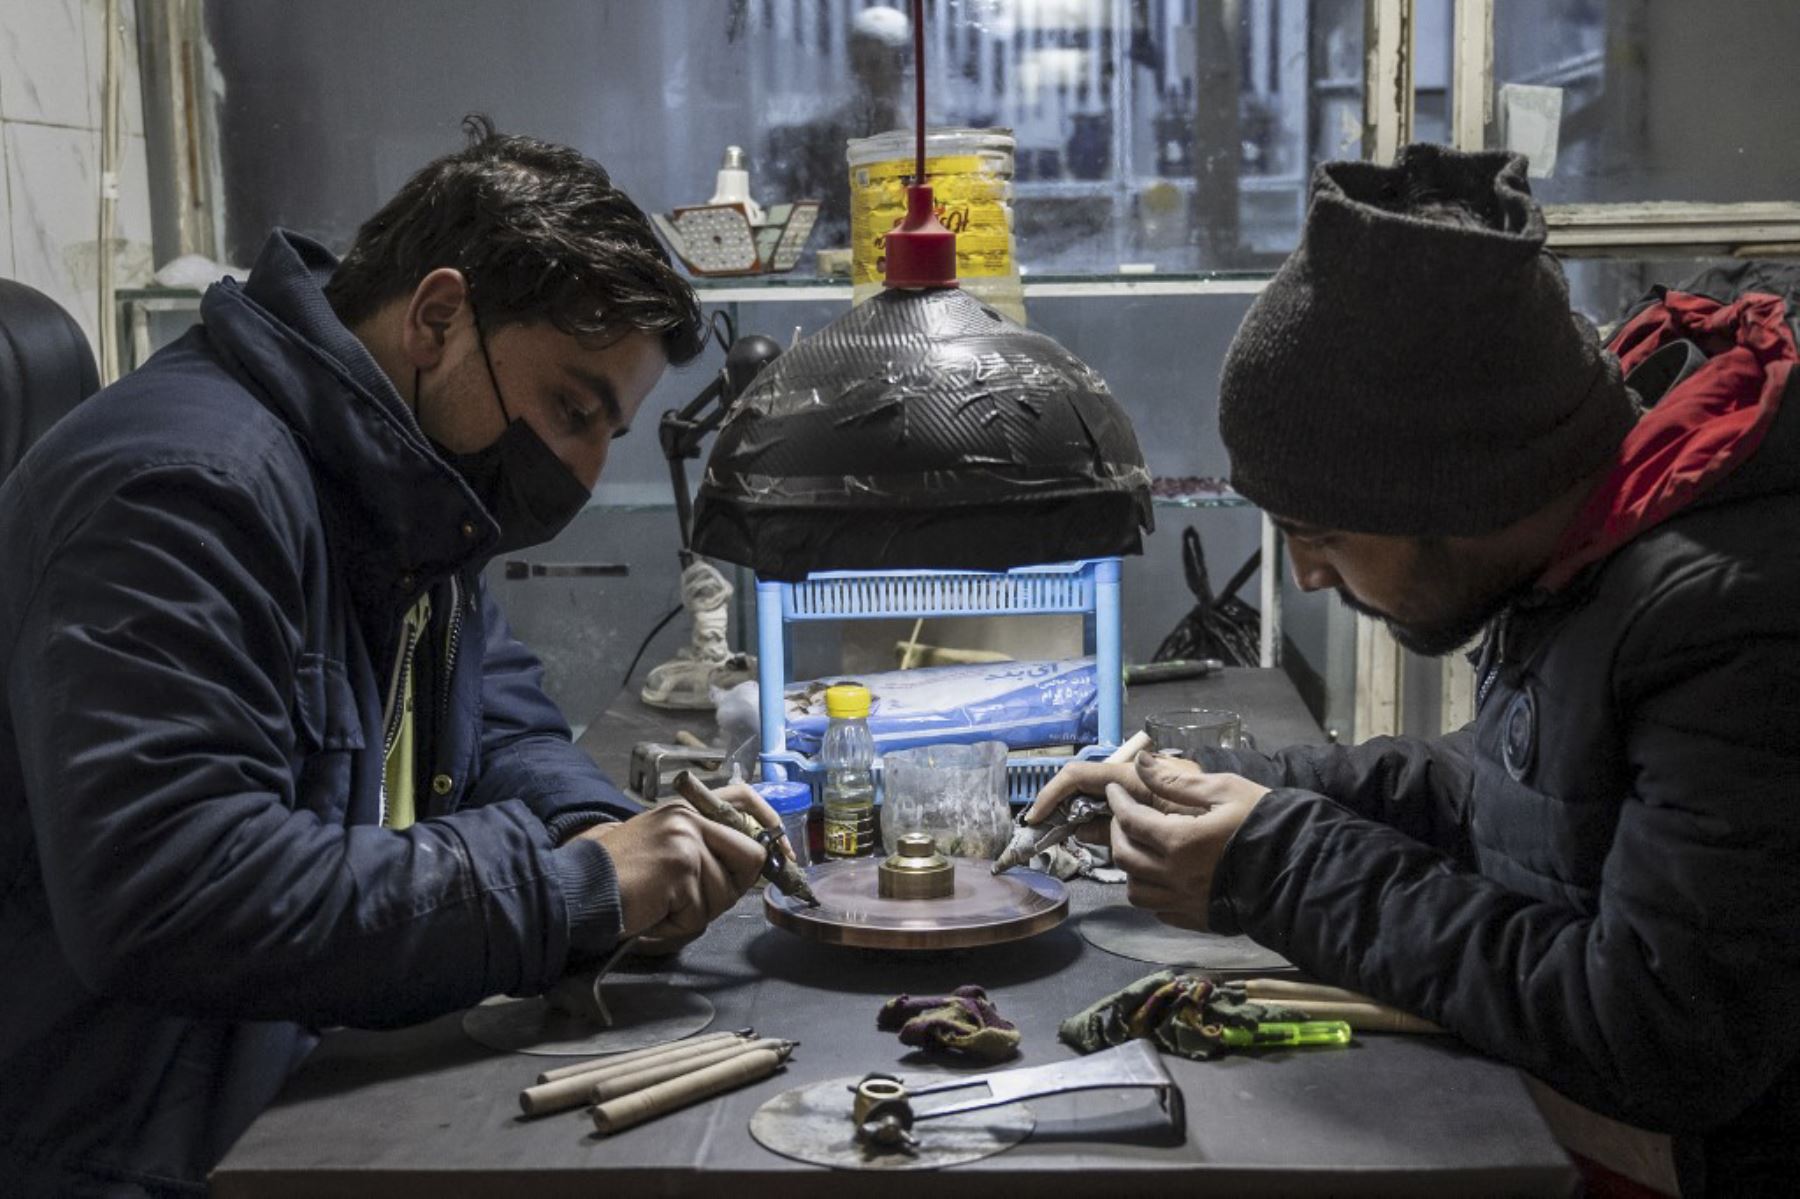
(922,429)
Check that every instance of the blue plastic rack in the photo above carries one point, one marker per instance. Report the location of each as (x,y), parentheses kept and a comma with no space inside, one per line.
(1089,588)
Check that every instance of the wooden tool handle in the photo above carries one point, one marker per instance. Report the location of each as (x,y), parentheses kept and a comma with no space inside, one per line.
(612,1086)
(787,878)
(707,802)
(555,1096)
(1367,1017)
(1134,745)
(1321,1002)
(1298,992)
(641,1056)
(628,1110)
(576,1089)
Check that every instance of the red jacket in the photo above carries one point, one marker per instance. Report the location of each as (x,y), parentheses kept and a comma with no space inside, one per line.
(1701,430)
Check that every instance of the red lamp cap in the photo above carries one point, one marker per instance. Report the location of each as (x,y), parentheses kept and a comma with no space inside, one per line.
(921,252)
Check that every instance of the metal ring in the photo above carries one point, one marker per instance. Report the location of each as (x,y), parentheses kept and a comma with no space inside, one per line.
(873,1090)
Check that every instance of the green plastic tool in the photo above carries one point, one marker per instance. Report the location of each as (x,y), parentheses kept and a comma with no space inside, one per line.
(1282,1035)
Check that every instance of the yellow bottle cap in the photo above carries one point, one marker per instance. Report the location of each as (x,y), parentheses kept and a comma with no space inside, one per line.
(847,702)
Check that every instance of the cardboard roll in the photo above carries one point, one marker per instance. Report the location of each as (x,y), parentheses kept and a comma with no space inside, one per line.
(981,909)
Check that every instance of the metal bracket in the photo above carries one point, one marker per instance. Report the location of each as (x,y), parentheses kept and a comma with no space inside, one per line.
(654,765)
(887,1114)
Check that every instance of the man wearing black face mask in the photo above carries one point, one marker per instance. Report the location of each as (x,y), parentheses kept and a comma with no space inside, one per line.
(518,478)
(270,759)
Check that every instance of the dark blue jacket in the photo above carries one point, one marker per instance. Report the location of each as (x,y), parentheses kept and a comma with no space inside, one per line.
(205,571)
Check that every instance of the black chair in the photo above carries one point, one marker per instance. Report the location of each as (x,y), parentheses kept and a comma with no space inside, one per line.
(46,368)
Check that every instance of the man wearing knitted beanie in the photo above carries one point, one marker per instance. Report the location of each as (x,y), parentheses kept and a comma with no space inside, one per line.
(1595,880)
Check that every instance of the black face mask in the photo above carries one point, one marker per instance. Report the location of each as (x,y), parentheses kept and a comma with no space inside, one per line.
(521,482)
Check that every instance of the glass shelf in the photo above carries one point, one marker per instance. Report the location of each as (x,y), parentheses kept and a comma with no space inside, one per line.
(772,287)
(157,293)
(653,497)
(795,286)
(1216,499)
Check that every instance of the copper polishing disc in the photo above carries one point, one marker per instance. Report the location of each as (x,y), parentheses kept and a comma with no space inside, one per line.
(984,908)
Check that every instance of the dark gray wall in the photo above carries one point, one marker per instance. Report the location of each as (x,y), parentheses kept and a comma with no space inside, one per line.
(330,104)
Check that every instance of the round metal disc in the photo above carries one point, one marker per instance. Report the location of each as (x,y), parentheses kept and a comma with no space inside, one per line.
(645,1012)
(812,1124)
(1137,934)
(984,909)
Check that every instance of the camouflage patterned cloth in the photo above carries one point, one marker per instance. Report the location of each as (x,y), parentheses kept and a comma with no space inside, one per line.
(964,1021)
(1183,1014)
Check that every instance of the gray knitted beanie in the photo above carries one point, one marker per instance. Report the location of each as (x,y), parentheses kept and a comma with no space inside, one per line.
(1416,376)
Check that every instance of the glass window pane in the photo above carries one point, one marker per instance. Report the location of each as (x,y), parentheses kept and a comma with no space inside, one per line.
(1173,134)
(1604,289)
(1432,68)
(1659,101)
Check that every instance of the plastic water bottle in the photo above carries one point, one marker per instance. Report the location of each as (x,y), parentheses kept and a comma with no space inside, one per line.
(848,757)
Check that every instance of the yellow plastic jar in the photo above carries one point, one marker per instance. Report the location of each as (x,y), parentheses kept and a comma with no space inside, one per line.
(970,171)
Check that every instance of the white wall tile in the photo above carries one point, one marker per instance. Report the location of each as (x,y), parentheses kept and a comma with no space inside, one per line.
(56,214)
(43,63)
(131,89)
(132,221)
(6,254)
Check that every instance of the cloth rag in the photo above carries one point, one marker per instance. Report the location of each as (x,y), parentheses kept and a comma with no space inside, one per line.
(1185,1014)
(964,1021)
(1052,848)
(1077,859)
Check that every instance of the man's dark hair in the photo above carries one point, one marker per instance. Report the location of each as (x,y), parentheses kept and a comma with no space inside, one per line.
(541,234)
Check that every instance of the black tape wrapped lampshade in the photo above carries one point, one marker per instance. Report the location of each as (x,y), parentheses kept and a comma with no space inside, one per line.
(922,429)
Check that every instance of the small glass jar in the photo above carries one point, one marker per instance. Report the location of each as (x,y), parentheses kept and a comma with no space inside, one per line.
(793,802)
(955,794)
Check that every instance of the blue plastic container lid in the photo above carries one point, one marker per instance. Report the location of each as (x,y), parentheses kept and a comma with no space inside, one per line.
(786,797)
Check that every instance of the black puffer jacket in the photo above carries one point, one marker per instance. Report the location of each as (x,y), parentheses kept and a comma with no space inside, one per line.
(1598,880)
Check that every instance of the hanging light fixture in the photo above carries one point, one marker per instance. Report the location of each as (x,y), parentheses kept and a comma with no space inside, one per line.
(922,429)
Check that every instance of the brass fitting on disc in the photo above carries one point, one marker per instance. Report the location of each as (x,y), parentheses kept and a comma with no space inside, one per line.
(915,870)
(882,1114)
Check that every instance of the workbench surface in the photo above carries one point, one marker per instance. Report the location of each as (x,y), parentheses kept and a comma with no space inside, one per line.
(427,1111)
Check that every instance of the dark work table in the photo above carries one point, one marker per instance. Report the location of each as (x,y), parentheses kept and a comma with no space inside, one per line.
(427,1111)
